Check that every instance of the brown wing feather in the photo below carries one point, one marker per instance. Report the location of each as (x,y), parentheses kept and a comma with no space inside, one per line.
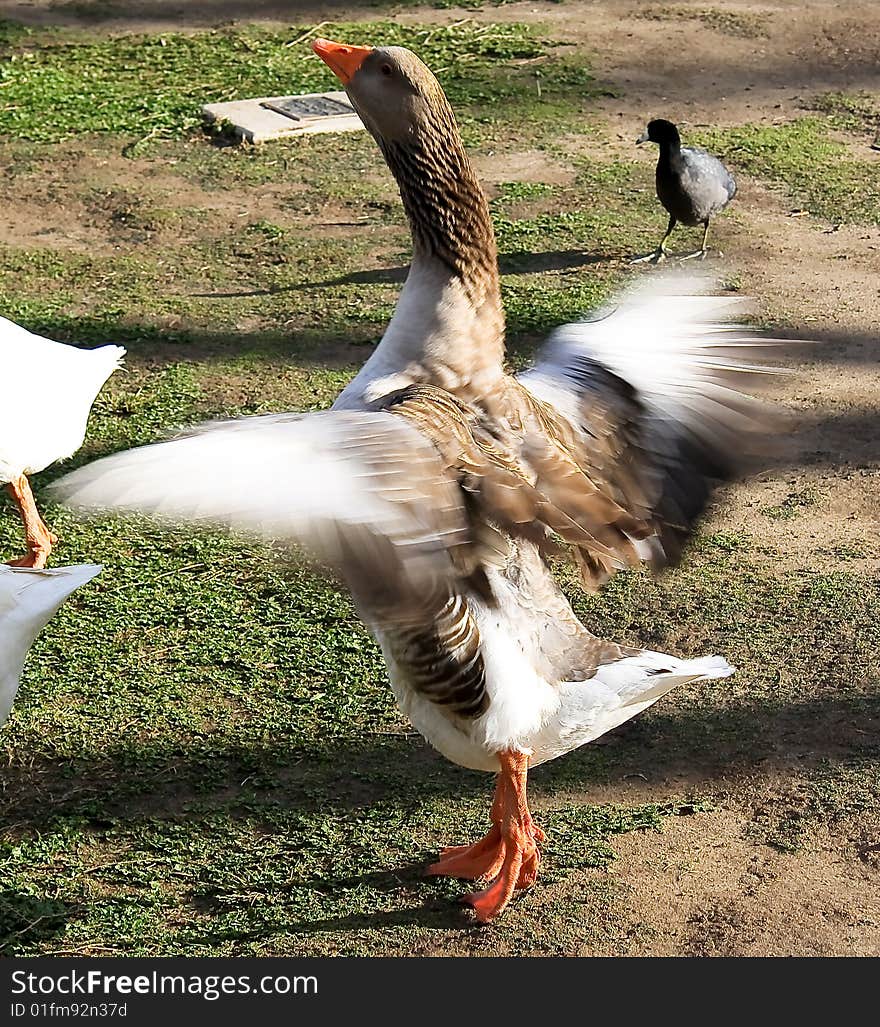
(615,481)
(524,481)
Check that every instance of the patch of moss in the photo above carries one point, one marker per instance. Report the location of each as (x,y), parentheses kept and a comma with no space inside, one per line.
(852,112)
(802,157)
(831,796)
(511,192)
(791,506)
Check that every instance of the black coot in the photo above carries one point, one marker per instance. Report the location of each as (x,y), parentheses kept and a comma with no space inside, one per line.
(692,185)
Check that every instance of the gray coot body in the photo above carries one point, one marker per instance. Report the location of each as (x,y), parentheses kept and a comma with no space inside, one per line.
(692,185)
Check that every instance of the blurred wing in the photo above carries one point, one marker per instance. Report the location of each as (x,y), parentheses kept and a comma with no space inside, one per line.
(363,493)
(644,401)
(495,468)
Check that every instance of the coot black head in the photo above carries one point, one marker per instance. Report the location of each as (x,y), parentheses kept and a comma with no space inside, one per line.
(660,131)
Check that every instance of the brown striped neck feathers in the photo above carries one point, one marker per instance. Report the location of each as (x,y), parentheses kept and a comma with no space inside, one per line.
(444,201)
(449,321)
(406,111)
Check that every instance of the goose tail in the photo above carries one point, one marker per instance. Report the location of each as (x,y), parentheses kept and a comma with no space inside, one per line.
(638,681)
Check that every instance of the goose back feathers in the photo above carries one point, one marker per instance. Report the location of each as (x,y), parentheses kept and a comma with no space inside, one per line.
(48,391)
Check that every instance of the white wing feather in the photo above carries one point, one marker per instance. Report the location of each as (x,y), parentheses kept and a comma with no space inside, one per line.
(356,490)
(652,384)
(673,341)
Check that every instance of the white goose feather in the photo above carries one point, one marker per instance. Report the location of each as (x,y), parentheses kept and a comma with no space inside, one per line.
(48,391)
(28,600)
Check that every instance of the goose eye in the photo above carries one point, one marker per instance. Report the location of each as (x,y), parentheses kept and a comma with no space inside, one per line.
(386,69)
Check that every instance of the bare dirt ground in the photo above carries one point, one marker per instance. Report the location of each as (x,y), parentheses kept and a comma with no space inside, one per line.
(707,885)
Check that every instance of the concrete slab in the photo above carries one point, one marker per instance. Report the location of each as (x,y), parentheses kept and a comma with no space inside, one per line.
(278,117)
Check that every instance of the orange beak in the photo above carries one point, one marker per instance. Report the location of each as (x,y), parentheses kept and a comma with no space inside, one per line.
(342,60)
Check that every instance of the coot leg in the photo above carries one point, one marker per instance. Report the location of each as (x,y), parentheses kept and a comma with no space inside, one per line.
(702,251)
(660,253)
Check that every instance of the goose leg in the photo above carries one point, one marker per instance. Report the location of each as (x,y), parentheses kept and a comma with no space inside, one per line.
(660,253)
(519,837)
(700,254)
(39,539)
(508,855)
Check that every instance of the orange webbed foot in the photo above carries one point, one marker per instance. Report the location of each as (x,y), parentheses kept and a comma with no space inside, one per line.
(29,561)
(471,862)
(508,855)
(36,559)
(519,869)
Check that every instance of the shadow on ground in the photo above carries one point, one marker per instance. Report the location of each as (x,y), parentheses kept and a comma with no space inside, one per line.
(666,752)
(27,919)
(509,264)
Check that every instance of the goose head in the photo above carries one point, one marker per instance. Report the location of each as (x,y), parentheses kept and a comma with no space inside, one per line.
(404,108)
(395,94)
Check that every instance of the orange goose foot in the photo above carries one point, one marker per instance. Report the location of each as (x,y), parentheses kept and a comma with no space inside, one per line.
(508,855)
(39,539)
(471,862)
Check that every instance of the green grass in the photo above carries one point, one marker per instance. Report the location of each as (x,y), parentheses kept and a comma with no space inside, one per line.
(853,112)
(191,277)
(205,757)
(793,504)
(556,265)
(746,24)
(802,156)
(146,86)
(842,799)
(510,192)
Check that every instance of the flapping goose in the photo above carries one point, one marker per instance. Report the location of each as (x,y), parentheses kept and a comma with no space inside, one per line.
(692,185)
(438,484)
(46,392)
(28,600)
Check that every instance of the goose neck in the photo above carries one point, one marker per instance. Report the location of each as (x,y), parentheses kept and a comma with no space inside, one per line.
(446,207)
(449,314)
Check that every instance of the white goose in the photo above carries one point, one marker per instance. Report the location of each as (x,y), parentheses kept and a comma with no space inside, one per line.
(438,482)
(48,391)
(28,600)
